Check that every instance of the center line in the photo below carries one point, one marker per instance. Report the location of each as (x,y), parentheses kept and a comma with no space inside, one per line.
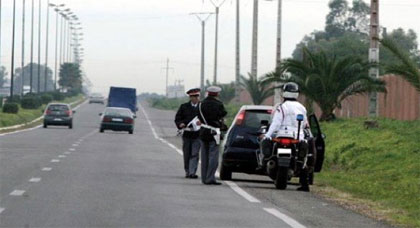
(55,160)
(75,144)
(72,149)
(1,210)
(17,193)
(61,156)
(35,179)
(46,169)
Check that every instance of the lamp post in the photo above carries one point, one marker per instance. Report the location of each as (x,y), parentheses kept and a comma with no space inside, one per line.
(39,47)
(31,77)
(202,17)
(57,11)
(0,30)
(216,46)
(22,74)
(12,75)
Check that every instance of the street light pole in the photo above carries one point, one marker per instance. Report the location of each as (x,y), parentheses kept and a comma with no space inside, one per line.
(22,74)
(57,10)
(0,30)
(278,52)
(39,47)
(203,20)
(254,60)
(238,55)
(374,54)
(46,47)
(13,52)
(31,78)
(217,6)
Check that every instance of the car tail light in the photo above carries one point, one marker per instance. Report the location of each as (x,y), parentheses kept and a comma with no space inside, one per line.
(128,120)
(270,111)
(240,118)
(106,119)
(285,141)
(68,112)
(48,112)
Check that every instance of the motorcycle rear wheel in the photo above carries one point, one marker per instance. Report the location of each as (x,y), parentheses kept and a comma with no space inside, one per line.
(281,179)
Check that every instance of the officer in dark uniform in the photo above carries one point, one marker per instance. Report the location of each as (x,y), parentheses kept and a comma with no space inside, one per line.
(211,116)
(191,143)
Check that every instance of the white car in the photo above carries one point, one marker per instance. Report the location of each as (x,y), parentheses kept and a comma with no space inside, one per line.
(96,98)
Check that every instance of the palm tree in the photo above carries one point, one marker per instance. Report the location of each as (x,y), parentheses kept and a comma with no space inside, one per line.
(407,68)
(259,89)
(327,81)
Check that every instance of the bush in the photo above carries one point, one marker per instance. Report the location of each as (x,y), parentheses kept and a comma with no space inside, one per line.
(15,99)
(11,108)
(1,102)
(31,102)
(46,98)
(57,96)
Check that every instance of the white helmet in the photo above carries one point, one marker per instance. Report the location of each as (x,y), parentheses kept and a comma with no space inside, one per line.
(290,90)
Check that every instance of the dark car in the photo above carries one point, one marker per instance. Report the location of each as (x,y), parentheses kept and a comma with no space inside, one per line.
(117,119)
(58,114)
(241,144)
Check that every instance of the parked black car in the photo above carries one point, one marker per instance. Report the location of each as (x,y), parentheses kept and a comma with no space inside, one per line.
(239,149)
(117,119)
(58,114)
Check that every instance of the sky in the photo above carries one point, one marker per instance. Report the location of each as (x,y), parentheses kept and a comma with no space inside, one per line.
(127,42)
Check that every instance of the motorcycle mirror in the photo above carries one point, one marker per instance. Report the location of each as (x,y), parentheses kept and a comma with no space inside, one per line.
(299,117)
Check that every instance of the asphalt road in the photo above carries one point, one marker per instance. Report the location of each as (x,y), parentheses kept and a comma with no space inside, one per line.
(58,177)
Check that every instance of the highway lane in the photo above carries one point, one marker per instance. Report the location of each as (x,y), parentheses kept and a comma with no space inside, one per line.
(57,177)
(307,208)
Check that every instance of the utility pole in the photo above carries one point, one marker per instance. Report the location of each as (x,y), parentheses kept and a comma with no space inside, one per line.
(0,30)
(217,6)
(254,56)
(57,11)
(374,54)
(22,74)
(167,68)
(237,55)
(31,74)
(12,70)
(46,47)
(202,17)
(278,52)
(39,47)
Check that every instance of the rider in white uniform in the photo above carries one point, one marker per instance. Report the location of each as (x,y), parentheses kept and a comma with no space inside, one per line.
(284,123)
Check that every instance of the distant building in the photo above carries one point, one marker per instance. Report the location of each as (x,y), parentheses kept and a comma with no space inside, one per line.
(177,90)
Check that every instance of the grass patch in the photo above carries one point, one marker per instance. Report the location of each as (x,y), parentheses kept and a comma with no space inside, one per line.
(28,115)
(380,165)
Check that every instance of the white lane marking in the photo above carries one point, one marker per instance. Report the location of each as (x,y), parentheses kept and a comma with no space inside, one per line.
(72,149)
(291,222)
(67,153)
(61,156)
(55,160)
(17,193)
(242,192)
(35,179)
(46,169)
(2,209)
(75,144)
(232,185)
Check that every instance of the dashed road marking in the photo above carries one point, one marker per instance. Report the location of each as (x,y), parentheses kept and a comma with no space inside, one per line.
(35,179)
(55,160)
(242,192)
(75,144)
(291,222)
(17,193)
(46,169)
(2,209)
(72,149)
(61,156)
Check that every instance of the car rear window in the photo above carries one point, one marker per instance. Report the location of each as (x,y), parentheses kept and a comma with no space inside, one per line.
(58,108)
(118,112)
(253,118)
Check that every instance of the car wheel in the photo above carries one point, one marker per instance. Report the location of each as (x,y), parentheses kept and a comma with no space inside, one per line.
(311,178)
(281,178)
(130,132)
(101,130)
(71,126)
(225,173)
(45,125)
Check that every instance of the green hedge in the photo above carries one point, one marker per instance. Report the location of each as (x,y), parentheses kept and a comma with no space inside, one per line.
(46,98)
(31,102)
(11,108)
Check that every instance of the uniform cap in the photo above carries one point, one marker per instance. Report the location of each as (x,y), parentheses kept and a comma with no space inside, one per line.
(214,90)
(194,92)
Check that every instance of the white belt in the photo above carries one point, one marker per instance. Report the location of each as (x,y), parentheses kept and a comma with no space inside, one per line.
(217,130)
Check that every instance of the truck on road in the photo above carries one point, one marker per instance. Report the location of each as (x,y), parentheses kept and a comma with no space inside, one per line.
(123,98)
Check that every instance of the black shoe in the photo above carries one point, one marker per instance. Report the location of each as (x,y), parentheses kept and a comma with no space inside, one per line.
(215,183)
(303,189)
(187,176)
(193,176)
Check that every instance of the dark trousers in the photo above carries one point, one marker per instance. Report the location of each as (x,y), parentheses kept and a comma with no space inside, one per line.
(190,148)
(209,161)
